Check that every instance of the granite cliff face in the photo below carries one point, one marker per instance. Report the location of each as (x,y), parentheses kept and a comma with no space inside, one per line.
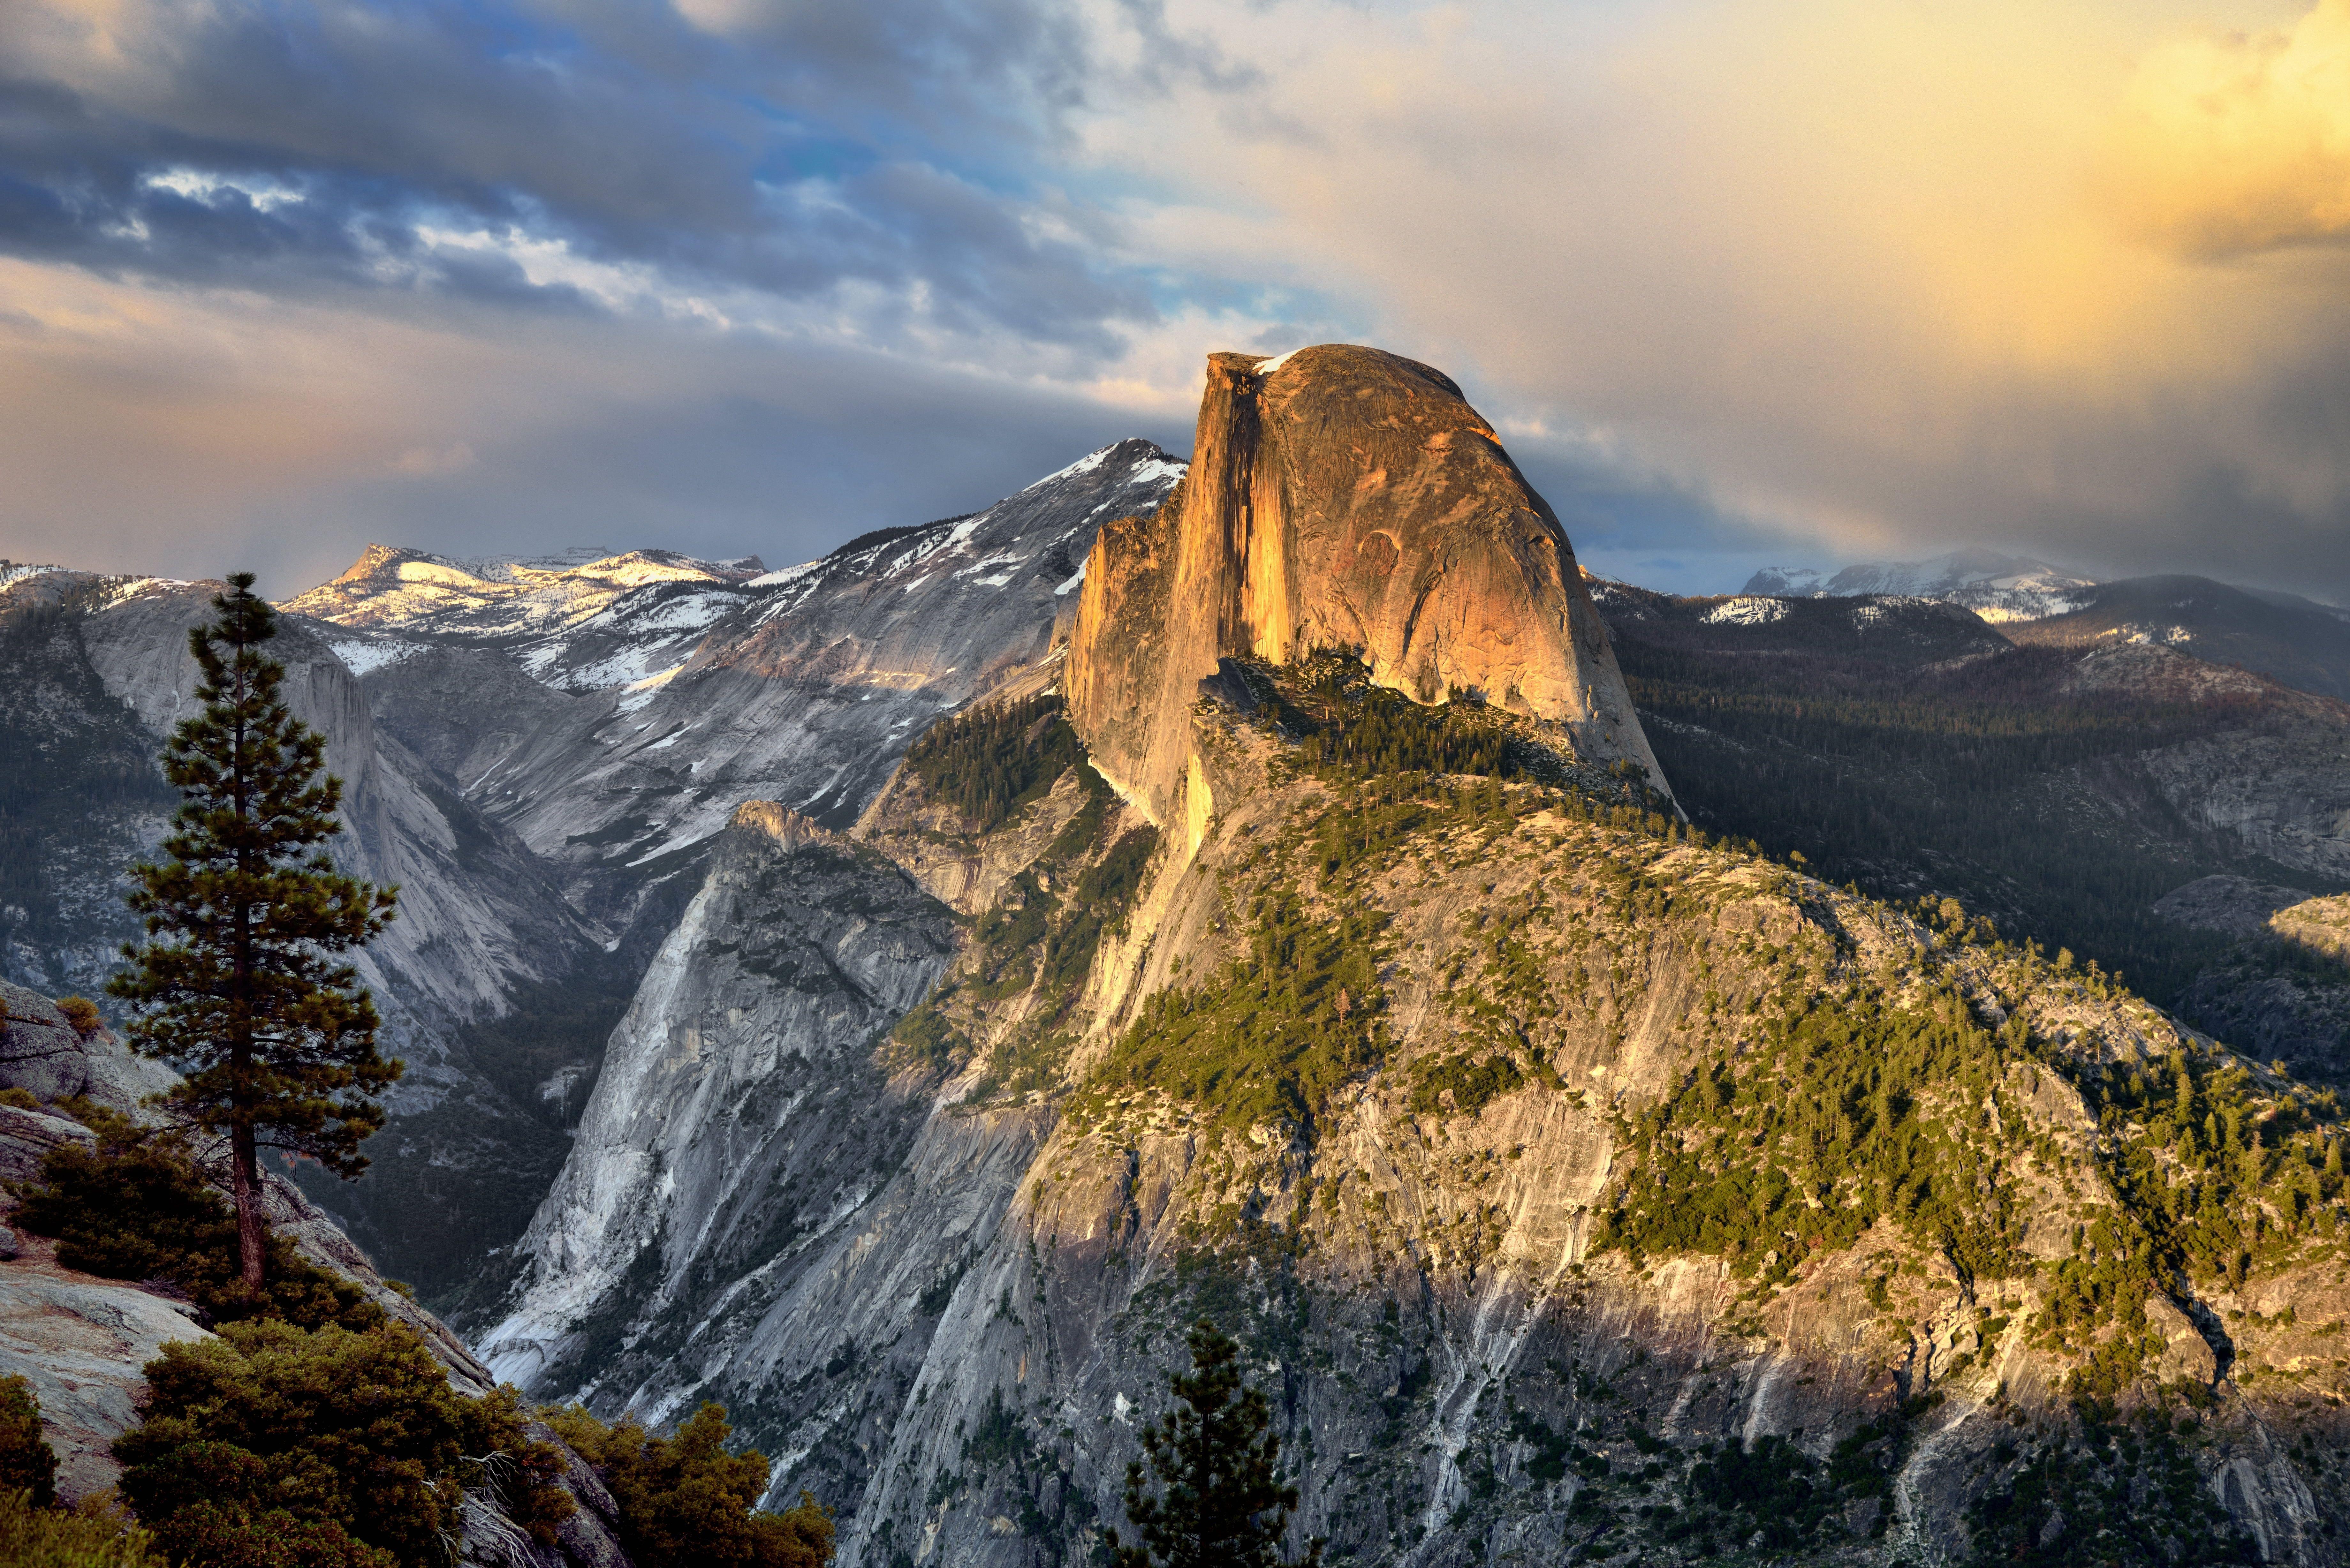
(1338,498)
(542,755)
(738,1123)
(1382,1070)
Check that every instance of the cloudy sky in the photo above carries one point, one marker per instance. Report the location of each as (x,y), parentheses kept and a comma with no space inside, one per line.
(1741,281)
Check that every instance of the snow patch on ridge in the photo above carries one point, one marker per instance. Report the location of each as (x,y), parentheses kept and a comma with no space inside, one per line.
(1085,464)
(1746,610)
(1995,586)
(366,658)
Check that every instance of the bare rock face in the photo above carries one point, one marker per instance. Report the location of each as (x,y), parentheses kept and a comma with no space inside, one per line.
(738,1123)
(39,1051)
(81,1343)
(1340,498)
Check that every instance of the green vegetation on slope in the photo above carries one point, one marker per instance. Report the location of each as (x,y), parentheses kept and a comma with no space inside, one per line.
(92,1536)
(1035,946)
(1849,1108)
(1352,729)
(686,1502)
(1844,1112)
(1269,1037)
(990,761)
(135,1207)
(2120,1496)
(27,1466)
(1300,1010)
(352,1447)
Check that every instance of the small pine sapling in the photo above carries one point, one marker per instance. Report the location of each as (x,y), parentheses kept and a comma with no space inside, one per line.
(1222,1502)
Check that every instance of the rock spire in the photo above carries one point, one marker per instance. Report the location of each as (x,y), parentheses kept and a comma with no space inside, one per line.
(1338,497)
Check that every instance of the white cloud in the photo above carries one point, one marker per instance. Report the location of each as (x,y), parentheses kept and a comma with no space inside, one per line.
(430,462)
(203,185)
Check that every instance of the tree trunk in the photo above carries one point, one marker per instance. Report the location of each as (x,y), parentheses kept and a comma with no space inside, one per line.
(244,1187)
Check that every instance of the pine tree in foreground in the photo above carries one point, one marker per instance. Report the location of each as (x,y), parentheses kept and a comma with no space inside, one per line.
(1222,1502)
(239,985)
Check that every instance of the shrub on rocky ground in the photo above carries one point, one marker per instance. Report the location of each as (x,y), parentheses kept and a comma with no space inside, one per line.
(89,1536)
(685,1501)
(135,1207)
(274,1444)
(27,1467)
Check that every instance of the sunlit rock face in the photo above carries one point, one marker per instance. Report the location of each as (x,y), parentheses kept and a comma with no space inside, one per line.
(1340,498)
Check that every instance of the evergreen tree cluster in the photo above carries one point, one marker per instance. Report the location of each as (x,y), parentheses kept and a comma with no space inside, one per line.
(990,761)
(1352,729)
(2119,1496)
(686,1501)
(272,1443)
(1844,1112)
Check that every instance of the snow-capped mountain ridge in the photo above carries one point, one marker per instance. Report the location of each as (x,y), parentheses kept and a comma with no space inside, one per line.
(418,593)
(1995,586)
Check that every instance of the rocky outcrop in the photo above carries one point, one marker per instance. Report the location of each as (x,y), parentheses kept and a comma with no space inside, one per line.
(44,1054)
(83,1341)
(1338,498)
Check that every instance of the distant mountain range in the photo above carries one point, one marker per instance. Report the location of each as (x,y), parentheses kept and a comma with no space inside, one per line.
(1996,588)
(2290,638)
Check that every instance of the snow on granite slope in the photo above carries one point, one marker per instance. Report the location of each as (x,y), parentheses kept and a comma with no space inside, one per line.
(538,753)
(580,621)
(619,757)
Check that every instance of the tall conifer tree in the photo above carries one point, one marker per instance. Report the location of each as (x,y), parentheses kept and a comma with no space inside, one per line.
(1222,1502)
(240,984)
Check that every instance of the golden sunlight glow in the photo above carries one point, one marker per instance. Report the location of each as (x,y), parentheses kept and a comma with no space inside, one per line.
(2239,141)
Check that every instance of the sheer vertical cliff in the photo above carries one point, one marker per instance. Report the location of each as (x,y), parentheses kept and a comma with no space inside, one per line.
(1340,498)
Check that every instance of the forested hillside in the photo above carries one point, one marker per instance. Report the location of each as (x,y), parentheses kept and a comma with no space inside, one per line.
(1909,748)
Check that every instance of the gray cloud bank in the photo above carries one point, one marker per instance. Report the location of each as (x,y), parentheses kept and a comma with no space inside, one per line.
(280,276)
